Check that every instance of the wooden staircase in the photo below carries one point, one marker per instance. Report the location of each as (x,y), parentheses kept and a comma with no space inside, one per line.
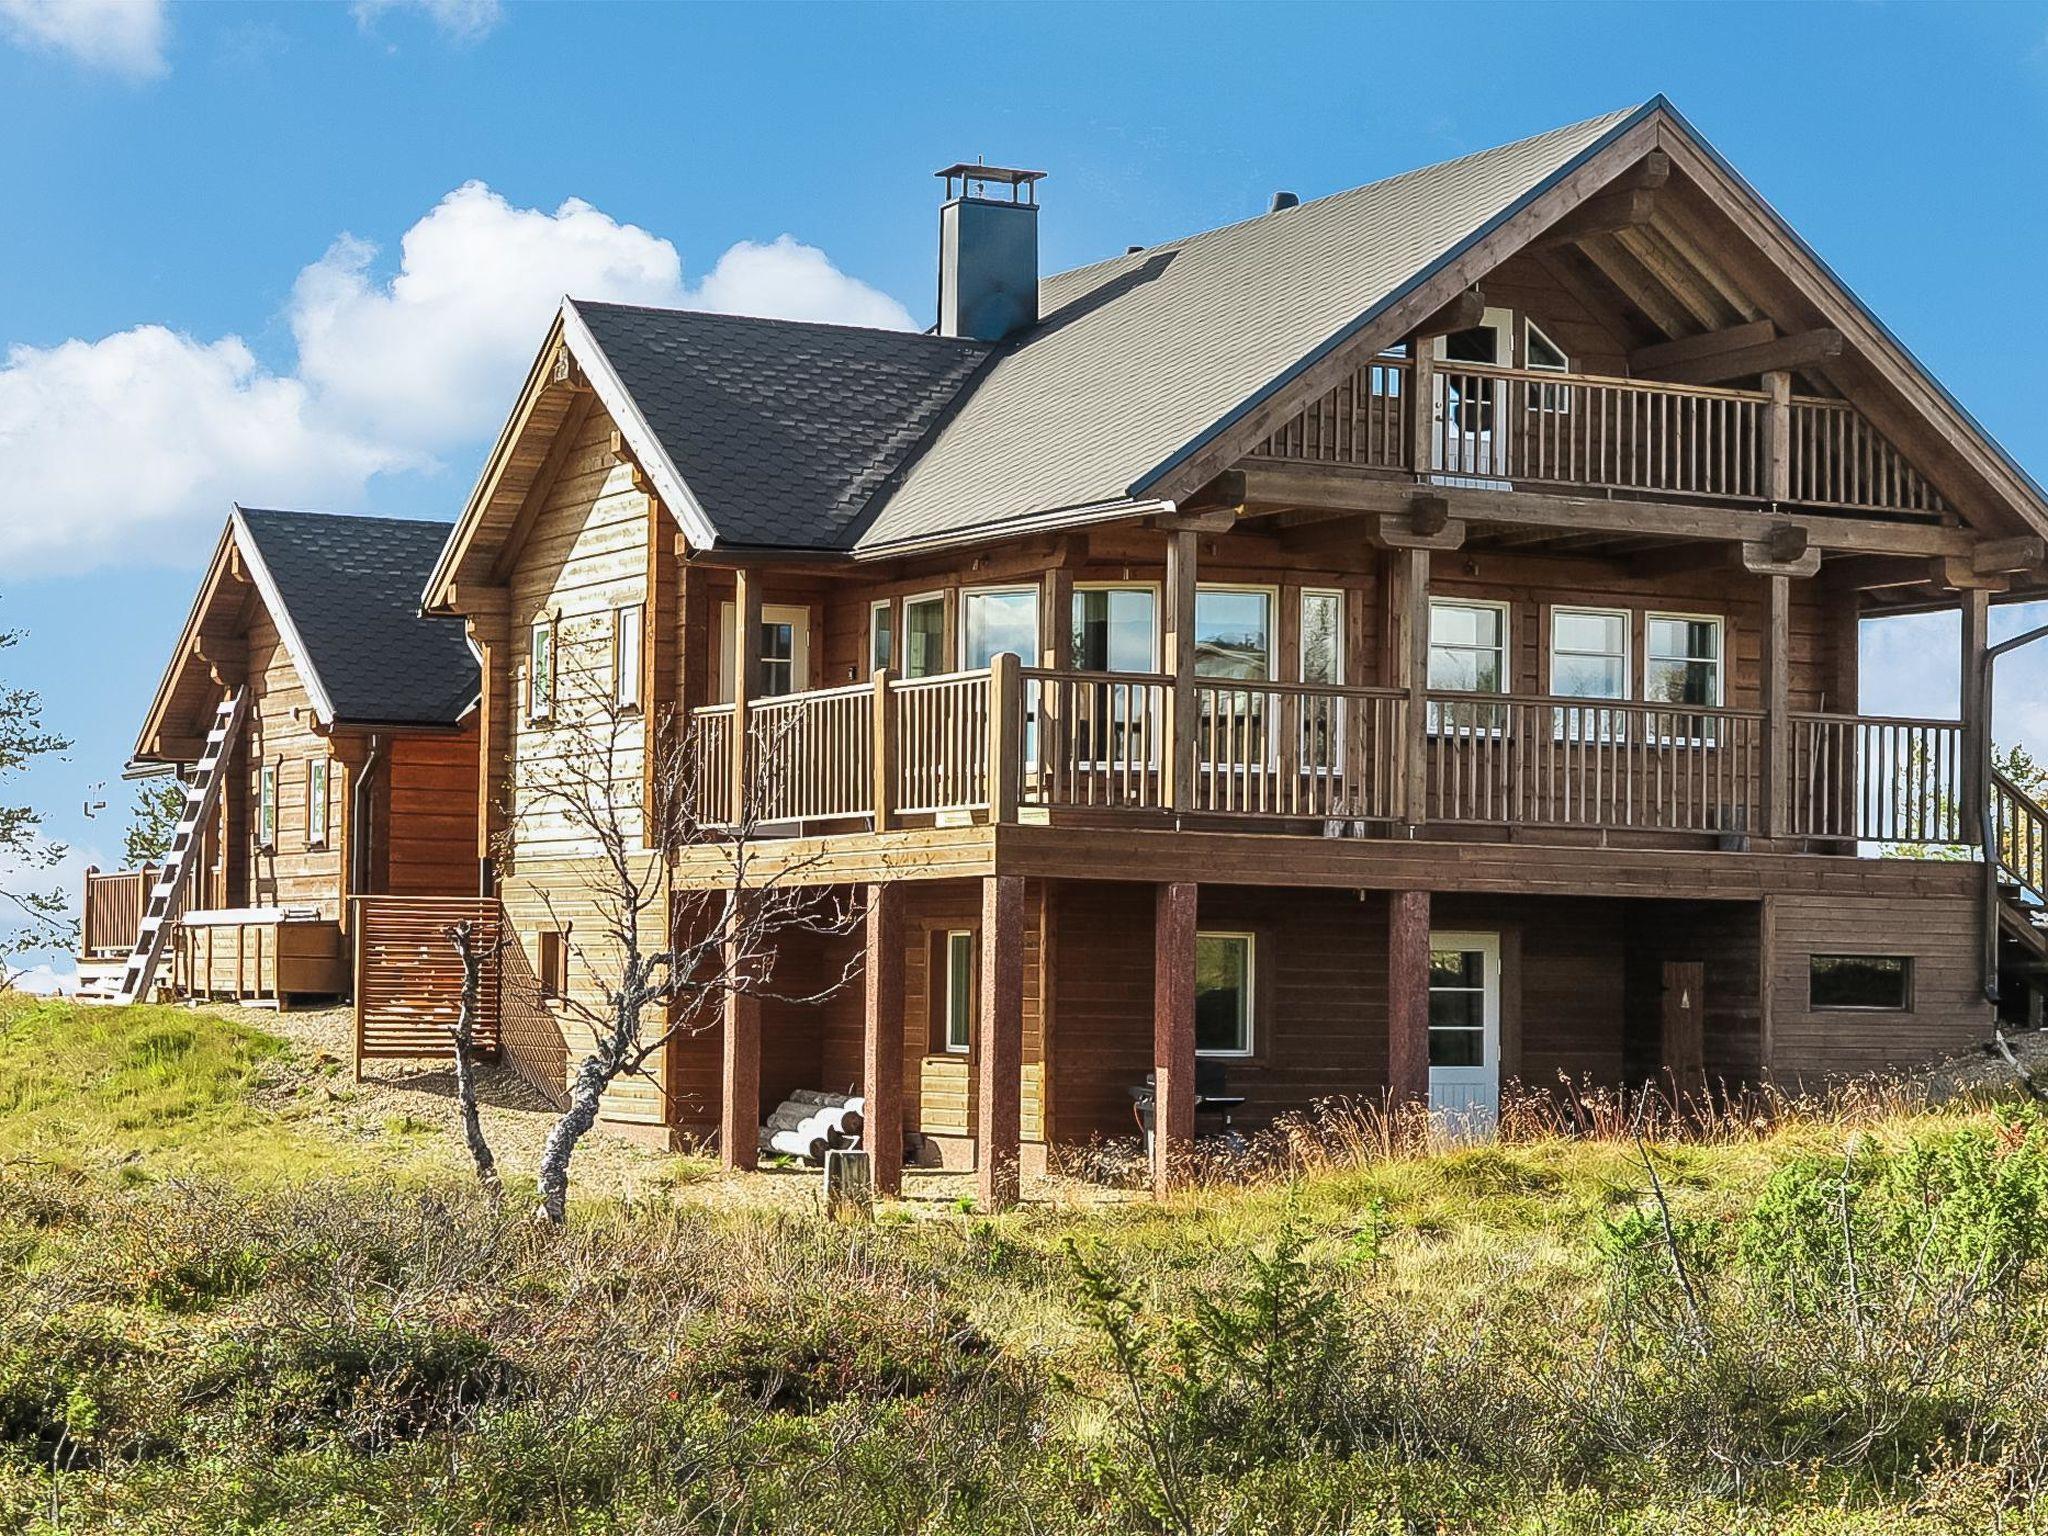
(202,794)
(2020,825)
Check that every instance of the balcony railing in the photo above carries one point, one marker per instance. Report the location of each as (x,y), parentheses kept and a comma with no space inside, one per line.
(1579,431)
(989,744)
(111,917)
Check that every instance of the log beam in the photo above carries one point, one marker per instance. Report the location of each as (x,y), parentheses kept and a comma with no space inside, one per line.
(1606,214)
(1692,349)
(739,1098)
(1461,314)
(1803,350)
(1407,998)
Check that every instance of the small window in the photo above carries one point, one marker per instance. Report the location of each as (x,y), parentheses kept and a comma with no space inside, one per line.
(959,993)
(540,671)
(1542,353)
(1467,654)
(266,806)
(1114,629)
(881,636)
(996,620)
(1223,994)
(1234,633)
(1322,663)
(316,802)
(1879,982)
(1684,664)
(554,962)
(628,650)
(1589,660)
(924,635)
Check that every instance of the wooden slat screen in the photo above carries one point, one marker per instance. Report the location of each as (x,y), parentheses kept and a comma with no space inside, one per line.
(111,918)
(408,976)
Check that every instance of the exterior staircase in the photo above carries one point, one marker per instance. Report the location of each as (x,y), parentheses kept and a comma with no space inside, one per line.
(160,916)
(2020,825)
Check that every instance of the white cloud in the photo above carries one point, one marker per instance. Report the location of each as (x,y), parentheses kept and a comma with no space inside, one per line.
(124,36)
(129,448)
(43,980)
(465,21)
(795,282)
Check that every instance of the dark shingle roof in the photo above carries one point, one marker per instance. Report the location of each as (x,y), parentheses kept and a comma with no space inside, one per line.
(782,429)
(349,588)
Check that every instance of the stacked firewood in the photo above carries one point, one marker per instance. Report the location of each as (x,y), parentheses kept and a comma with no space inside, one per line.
(808,1124)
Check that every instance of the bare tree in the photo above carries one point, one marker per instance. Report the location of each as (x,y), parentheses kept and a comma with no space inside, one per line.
(474,947)
(660,966)
(31,917)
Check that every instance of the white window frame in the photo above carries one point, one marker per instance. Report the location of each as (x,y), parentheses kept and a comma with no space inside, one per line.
(1251,992)
(627,680)
(1029,589)
(266,805)
(796,615)
(1265,701)
(1153,587)
(316,826)
(1614,724)
(1272,596)
(1650,659)
(1335,716)
(955,979)
(541,636)
(880,607)
(1153,724)
(1506,651)
(1555,398)
(915,599)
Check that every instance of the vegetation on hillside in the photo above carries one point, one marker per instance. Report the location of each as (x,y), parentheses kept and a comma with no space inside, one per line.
(1833,1324)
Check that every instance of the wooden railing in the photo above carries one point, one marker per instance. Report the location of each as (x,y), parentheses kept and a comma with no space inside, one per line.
(2019,826)
(1569,430)
(111,917)
(1866,778)
(987,743)
(1527,760)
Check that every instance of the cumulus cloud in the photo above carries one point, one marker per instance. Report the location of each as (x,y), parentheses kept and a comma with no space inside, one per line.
(129,447)
(465,21)
(43,981)
(123,36)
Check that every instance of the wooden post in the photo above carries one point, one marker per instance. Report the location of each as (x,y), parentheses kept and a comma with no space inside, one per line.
(1177,648)
(487,614)
(1055,654)
(1173,1028)
(1005,737)
(1777,696)
(739,1100)
(357,949)
(881,1076)
(1407,998)
(882,751)
(1413,661)
(1422,407)
(1778,437)
(746,683)
(1000,1050)
(1974,712)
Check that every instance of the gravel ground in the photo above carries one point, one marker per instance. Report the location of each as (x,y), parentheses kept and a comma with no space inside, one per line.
(1986,1073)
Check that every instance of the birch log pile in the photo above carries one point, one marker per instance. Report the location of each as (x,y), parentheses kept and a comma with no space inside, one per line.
(808,1124)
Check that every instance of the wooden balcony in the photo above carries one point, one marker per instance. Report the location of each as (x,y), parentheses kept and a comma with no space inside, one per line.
(1011,743)
(1562,431)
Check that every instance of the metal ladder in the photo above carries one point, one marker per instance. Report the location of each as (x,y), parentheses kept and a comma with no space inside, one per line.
(202,794)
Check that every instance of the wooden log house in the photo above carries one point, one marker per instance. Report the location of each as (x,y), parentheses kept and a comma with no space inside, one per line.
(353,773)
(1398,645)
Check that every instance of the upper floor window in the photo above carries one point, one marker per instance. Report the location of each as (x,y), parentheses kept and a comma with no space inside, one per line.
(266,806)
(316,802)
(1115,629)
(628,626)
(782,648)
(1467,654)
(998,619)
(540,670)
(1589,653)
(1684,661)
(881,635)
(1542,355)
(924,635)
(1322,636)
(1234,632)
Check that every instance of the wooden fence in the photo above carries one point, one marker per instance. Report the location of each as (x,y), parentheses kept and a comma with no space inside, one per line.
(111,917)
(408,975)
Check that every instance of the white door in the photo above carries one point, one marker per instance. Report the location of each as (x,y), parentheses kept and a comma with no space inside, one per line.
(785,650)
(1464,1031)
(1471,436)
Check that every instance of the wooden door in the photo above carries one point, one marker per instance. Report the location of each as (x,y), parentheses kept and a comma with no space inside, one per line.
(1684,1024)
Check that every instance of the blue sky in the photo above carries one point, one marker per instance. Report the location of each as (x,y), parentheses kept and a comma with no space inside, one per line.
(302,253)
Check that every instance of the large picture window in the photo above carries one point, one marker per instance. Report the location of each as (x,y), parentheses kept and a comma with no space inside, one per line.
(1467,654)
(1223,994)
(998,619)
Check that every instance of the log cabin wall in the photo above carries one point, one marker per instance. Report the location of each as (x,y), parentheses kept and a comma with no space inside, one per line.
(302,867)
(426,812)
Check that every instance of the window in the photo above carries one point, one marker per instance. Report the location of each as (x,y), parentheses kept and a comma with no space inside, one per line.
(1234,633)
(1589,660)
(316,802)
(554,962)
(1467,654)
(627,635)
(1114,629)
(881,636)
(959,993)
(1457,1007)
(1223,994)
(1861,981)
(540,671)
(1542,355)
(998,619)
(266,806)
(924,635)
(782,650)
(1684,660)
(1322,661)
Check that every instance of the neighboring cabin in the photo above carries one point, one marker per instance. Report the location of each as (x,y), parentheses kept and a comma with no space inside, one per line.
(353,772)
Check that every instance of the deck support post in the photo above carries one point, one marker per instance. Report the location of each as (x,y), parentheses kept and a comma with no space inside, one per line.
(881,1073)
(1778,437)
(1974,711)
(882,751)
(1173,1029)
(1412,658)
(746,683)
(1777,702)
(1407,999)
(1005,738)
(1000,1050)
(1177,648)
(739,1099)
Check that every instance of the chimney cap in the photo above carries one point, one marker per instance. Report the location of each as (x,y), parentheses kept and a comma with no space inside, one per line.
(1284,200)
(1020,182)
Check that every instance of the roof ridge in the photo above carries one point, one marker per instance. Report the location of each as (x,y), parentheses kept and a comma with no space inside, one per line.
(777,320)
(312,514)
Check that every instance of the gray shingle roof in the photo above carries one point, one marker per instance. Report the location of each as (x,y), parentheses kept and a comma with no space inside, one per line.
(1136,360)
(783,429)
(350,591)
